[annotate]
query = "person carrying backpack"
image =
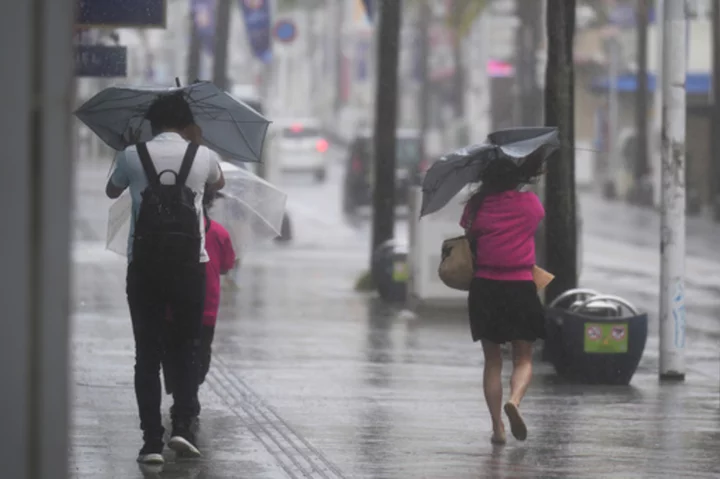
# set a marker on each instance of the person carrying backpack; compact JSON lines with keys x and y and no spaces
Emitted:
{"x":167,"y":178}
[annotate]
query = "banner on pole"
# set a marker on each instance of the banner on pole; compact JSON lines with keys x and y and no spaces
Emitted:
{"x":258,"y":25}
{"x":204,"y":13}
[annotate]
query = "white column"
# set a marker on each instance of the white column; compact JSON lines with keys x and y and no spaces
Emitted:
{"x":672,"y":225}
{"x":35,"y":187}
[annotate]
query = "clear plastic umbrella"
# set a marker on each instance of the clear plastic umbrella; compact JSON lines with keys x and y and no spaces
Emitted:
{"x":250,"y":208}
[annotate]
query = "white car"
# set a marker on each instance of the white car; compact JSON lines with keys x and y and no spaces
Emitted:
{"x":299,"y":146}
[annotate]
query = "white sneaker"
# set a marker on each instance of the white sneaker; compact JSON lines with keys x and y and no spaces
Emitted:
{"x":151,"y":453}
{"x":152,"y":458}
{"x":183,"y":447}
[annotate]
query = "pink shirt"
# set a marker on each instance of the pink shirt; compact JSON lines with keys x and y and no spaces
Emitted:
{"x":222,"y":257}
{"x":505,"y":229}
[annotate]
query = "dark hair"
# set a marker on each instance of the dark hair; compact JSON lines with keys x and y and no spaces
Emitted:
{"x":499,"y":176}
{"x":169,"y":112}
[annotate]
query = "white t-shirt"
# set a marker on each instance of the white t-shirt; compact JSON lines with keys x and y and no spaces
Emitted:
{"x":166,"y":151}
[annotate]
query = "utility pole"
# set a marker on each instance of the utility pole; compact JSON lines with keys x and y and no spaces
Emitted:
{"x":528,"y":97}
{"x":222,"y":34}
{"x":560,"y":226}
{"x":423,"y":32}
{"x":193,"y":59}
{"x":613,"y":154}
{"x":458,"y":9}
{"x":527,"y":37}
{"x":715,"y":135}
{"x":641,"y":192}
{"x":656,"y":142}
{"x":672,"y":210}
{"x":388,"y":40}
{"x":338,"y":23}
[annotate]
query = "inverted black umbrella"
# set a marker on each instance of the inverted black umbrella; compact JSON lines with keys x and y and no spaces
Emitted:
{"x":521,"y":146}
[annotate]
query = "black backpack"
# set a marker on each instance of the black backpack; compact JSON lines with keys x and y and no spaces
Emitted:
{"x":167,"y":228}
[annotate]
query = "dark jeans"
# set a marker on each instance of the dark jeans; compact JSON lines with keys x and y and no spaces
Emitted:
{"x":207,"y":333}
{"x":150,"y":293}
{"x":206,"y":338}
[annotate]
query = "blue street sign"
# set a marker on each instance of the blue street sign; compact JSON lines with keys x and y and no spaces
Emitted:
{"x":100,"y":61}
{"x":121,"y":13}
{"x":285,"y":31}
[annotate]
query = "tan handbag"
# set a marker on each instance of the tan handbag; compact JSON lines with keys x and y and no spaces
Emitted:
{"x":457,"y":263}
{"x":457,"y":266}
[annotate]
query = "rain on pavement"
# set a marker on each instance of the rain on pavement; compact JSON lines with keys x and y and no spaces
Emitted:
{"x":311,"y":379}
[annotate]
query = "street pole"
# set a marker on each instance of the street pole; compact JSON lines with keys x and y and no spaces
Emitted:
{"x":337,"y":37}
{"x":560,"y":225}
{"x":715,"y":135}
{"x":388,"y":40}
{"x":528,"y":97}
{"x":423,"y":31}
{"x":613,"y":163}
{"x":641,"y":192}
{"x":222,"y":34}
{"x":655,"y":150}
{"x":193,"y":61}
{"x":672,"y":210}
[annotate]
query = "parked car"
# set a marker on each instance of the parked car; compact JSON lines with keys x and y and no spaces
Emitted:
{"x":299,"y":145}
{"x":359,"y":171}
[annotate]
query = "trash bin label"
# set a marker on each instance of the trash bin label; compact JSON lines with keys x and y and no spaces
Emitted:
{"x":606,"y":338}
{"x":400,"y":271}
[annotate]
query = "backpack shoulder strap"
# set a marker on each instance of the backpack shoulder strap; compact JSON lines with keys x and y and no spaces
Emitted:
{"x":187,"y":163}
{"x":147,"y":164}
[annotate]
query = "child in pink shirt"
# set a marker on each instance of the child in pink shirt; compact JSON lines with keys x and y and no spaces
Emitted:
{"x":222,"y":259}
{"x":503,"y":303}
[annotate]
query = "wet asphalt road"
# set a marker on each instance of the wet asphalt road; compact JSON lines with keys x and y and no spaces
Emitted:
{"x":312,"y":380}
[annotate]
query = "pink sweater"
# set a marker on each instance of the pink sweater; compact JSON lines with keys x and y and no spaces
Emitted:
{"x":505,"y":229}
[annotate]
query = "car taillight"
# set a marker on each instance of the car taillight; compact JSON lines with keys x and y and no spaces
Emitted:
{"x":322,"y":145}
{"x":356,"y":165}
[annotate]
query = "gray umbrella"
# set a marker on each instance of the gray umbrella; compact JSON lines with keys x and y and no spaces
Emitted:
{"x":447,"y":176}
{"x":229,"y":127}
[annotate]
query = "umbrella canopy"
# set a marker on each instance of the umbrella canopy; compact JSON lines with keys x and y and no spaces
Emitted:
{"x":228,"y":126}
{"x":447,"y":176}
{"x":250,"y":209}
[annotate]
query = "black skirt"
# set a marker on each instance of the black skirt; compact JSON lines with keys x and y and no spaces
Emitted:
{"x":502,"y":311}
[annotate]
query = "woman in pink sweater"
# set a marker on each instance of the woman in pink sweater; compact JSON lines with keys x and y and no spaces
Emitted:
{"x":503,"y":303}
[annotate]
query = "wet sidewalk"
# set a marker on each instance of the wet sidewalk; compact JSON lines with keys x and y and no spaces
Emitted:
{"x":311,"y":380}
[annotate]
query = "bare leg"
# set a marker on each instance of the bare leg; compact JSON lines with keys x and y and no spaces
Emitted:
{"x":519,"y":382}
{"x":492,"y":386}
{"x":522,"y":370}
